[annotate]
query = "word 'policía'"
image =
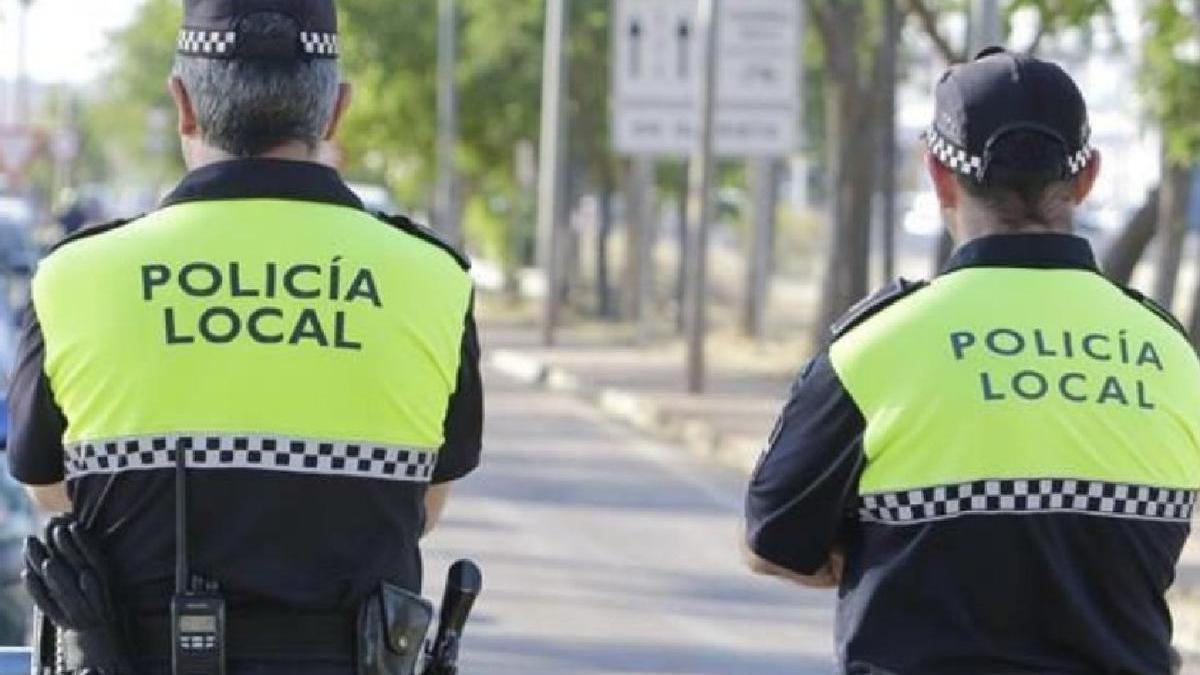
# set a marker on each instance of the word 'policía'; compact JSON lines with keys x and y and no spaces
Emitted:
{"x":1106,"y":350}
{"x":282,"y":322}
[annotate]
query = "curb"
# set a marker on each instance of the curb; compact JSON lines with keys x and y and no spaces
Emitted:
{"x":695,"y":435}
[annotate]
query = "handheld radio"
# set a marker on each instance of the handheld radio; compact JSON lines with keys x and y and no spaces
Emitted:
{"x":197,"y":611}
{"x":463,"y":584}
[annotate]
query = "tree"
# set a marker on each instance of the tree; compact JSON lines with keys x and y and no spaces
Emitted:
{"x":850,"y":32}
{"x":1171,"y":90}
{"x":134,"y":116}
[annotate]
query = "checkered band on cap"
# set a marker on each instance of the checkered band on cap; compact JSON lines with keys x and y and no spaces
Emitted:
{"x":958,"y":159}
{"x":207,"y":42}
{"x":251,"y":451}
{"x":1078,"y":161}
{"x":1028,"y":496}
{"x":953,"y":157}
{"x":319,"y":44}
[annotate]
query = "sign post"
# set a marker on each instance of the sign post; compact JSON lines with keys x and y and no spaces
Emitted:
{"x":700,"y":79}
{"x":700,"y":199}
{"x":550,"y":164}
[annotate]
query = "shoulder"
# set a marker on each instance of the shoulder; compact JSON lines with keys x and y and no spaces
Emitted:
{"x":91,"y":231}
{"x":874,"y":304}
{"x":427,"y":235}
{"x":1155,"y":308}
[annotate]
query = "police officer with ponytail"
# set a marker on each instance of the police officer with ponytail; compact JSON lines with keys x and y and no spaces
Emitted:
{"x":250,"y":403}
{"x":996,"y":468}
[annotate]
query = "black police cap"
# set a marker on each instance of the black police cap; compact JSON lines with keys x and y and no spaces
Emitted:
{"x":213,"y":29}
{"x":1000,"y":92}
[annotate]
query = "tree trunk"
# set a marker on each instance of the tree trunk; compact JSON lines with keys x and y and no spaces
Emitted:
{"x":852,"y":119}
{"x":681,"y":268}
{"x":941,"y":252}
{"x":1176,"y":189}
{"x":639,"y":200}
{"x":605,"y":307}
{"x":846,"y":273}
{"x":1130,"y":245}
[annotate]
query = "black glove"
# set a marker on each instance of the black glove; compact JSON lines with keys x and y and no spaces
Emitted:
{"x":67,"y":578}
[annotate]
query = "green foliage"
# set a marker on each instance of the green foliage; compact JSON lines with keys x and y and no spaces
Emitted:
{"x":389,"y":55}
{"x":1171,"y":76}
{"x":135,"y":115}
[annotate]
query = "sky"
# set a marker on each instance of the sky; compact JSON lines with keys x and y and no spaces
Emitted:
{"x":66,"y":37}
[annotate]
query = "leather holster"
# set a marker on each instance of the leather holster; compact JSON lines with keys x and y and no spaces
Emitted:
{"x":392,"y":624}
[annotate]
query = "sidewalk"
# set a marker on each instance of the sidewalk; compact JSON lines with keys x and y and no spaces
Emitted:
{"x":642,"y":385}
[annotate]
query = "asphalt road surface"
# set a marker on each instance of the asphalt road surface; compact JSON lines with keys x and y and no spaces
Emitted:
{"x":604,"y":553}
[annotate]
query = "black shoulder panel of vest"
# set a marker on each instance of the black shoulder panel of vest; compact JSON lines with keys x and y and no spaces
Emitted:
{"x":91,"y":230}
{"x":422,"y":232}
{"x":875,"y":303}
{"x":1150,"y":304}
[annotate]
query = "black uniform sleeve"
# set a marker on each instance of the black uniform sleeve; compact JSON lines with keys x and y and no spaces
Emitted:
{"x":459,"y":455}
{"x":805,"y":485}
{"x":35,"y":422}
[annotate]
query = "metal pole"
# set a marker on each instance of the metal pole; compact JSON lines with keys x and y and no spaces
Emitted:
{"x":446,"y":212}
{"x":700,"y":201}
{"x":550,"y":163}
{"x":888,"y":156}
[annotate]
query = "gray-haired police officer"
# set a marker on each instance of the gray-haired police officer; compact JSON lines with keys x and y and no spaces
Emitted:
{"x":312,"y":367}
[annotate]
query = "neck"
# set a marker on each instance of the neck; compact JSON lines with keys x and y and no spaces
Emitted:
{"x":972,"y":221}
{"x":201,"y":154}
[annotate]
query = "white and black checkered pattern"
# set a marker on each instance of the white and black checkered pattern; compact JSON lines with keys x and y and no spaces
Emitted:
{"x":953,"y":157}
{"x":1078,"y":161}
{"x":957,"y":159}
{"x":207,"y":42}
{"x":1028,"y":496}
{"x":319,"y":44}
{"x":250,"y":451}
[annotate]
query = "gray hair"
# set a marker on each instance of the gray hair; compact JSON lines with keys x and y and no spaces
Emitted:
{"x":248,"y":107}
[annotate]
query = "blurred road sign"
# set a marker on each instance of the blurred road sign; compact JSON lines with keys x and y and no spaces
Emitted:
{"x":657,"y":58}
{"x":18,"y":147}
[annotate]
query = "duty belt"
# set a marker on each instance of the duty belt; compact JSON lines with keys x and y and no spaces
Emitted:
{"x":251,"y":635}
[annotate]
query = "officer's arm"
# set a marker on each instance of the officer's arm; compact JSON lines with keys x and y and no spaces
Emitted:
{"x":829,"y":576}
{"x":463,"y":427}
{"x":435,"y":504}
{"x":35,"y":422}
{"x":50,"y":498}
{"x":805,"y":485}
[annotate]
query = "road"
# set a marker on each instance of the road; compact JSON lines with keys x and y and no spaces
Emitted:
{"x":606,"y":553}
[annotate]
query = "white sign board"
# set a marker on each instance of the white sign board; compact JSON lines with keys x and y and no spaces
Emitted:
{"x":657,"y":61}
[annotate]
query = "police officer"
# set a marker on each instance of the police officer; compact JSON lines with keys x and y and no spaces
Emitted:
{"x":996,"y":468}
{"x":315,"y":364}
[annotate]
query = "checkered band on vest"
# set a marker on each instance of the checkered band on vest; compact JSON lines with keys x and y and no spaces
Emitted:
{"x":249,"y":451}
{"x":207,"y":42}
{"x":1028,"y":496}
{"x":319,"y":44}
